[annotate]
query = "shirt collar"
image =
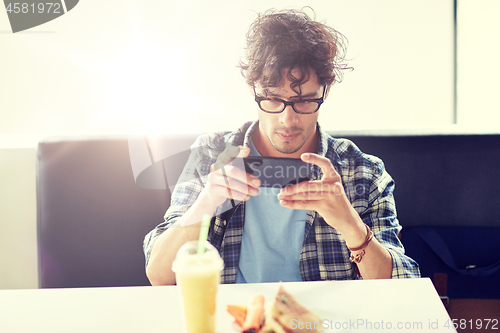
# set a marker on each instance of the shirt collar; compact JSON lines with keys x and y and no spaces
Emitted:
{"x":249,"y":132}
{"x":323,"y":141}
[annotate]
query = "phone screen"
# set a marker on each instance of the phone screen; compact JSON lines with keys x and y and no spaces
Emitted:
{"x":277,"y":171}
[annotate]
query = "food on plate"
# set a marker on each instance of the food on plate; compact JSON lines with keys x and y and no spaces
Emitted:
{"x":288,"y":315}
{"x":239,"y":312}
{"x":253,"y":319}
{"x":284,"y":315}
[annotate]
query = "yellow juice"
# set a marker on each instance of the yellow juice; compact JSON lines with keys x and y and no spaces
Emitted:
{"x":199,"y":294}
{"x":198,"y":279}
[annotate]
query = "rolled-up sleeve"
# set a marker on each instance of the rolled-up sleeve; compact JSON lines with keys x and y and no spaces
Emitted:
{"x":381,"y":217}
{"x":186,"y":191}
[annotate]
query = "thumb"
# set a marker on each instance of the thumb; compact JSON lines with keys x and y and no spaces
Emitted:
{"x":244,"y":152}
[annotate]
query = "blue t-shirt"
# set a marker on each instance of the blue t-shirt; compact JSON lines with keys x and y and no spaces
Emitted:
{"x":272,"y":238}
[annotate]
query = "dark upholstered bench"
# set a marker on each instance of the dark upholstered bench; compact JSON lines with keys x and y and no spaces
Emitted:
{"x":98,"y":197}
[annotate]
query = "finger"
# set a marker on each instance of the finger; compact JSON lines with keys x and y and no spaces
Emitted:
{"x":311,"y":190}
{"x":324,"y":163}
{"x":236,"y":170}
{"x":303,"y":204}
{"x":300,"y":187}
{"x":243,"y":187}
{"x":238,"y":173}
{"x":221,"y":179}
{"x":229,"y":154}
{"x":314,"y":196}
{"x":228,"y":159}
{"x":244,"y":152}
{"x":223,"y":191}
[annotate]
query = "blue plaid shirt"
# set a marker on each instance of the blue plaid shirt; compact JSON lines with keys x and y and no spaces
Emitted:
{"x":324,"y":254}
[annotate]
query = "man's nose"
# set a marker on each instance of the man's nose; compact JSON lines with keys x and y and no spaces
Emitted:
{"x":289,"y":116}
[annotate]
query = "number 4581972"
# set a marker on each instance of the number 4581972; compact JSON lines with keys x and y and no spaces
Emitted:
{"x":48,"y":7}
{"x":477,"y":324}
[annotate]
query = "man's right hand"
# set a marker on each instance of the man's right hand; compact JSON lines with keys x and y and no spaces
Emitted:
{"x":229,"y":181}
{"x":225,"y":181}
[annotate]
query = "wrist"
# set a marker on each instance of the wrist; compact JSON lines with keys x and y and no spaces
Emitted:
{"x":354,"y":233}
{"x":207,"y":202}
{"x":202,"y":206}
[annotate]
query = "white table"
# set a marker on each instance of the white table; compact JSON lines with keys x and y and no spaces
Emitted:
{"x":348,"y":306}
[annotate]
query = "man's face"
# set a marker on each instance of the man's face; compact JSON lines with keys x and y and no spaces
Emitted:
{"x":288,"y":132}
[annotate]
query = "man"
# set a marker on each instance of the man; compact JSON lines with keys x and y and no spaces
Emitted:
{"x":340,"y":225}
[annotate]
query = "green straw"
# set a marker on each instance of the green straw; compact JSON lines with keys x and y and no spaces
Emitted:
{"x":205,"y":223}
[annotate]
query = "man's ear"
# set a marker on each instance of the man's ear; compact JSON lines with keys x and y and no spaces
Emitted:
{"x":327,"y":90}
{"x":251,"y":89}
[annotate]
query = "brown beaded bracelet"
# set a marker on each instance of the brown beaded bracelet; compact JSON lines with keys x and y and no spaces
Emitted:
{"x":357,"y":258}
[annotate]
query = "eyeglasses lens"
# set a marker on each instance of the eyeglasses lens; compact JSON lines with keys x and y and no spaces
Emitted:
{"x":277,"y":106}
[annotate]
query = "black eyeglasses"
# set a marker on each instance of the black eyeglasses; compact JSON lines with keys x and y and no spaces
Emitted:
{"x":277,"y":105}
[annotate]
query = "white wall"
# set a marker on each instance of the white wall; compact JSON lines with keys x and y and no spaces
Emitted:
{"x":18,"y":253}
{"x":122,"y":66}
{"x":478,"y":63}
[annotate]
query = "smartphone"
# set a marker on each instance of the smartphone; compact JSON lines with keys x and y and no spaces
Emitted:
{"x":277,"y":171}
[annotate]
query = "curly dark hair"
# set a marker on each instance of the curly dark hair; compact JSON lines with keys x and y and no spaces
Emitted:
{"x":290,"y":39}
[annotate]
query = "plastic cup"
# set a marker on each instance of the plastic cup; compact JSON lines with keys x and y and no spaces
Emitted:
{"x":198,"y":276}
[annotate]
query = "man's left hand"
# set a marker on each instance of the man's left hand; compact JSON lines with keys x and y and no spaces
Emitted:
{"x":326,"y":196}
